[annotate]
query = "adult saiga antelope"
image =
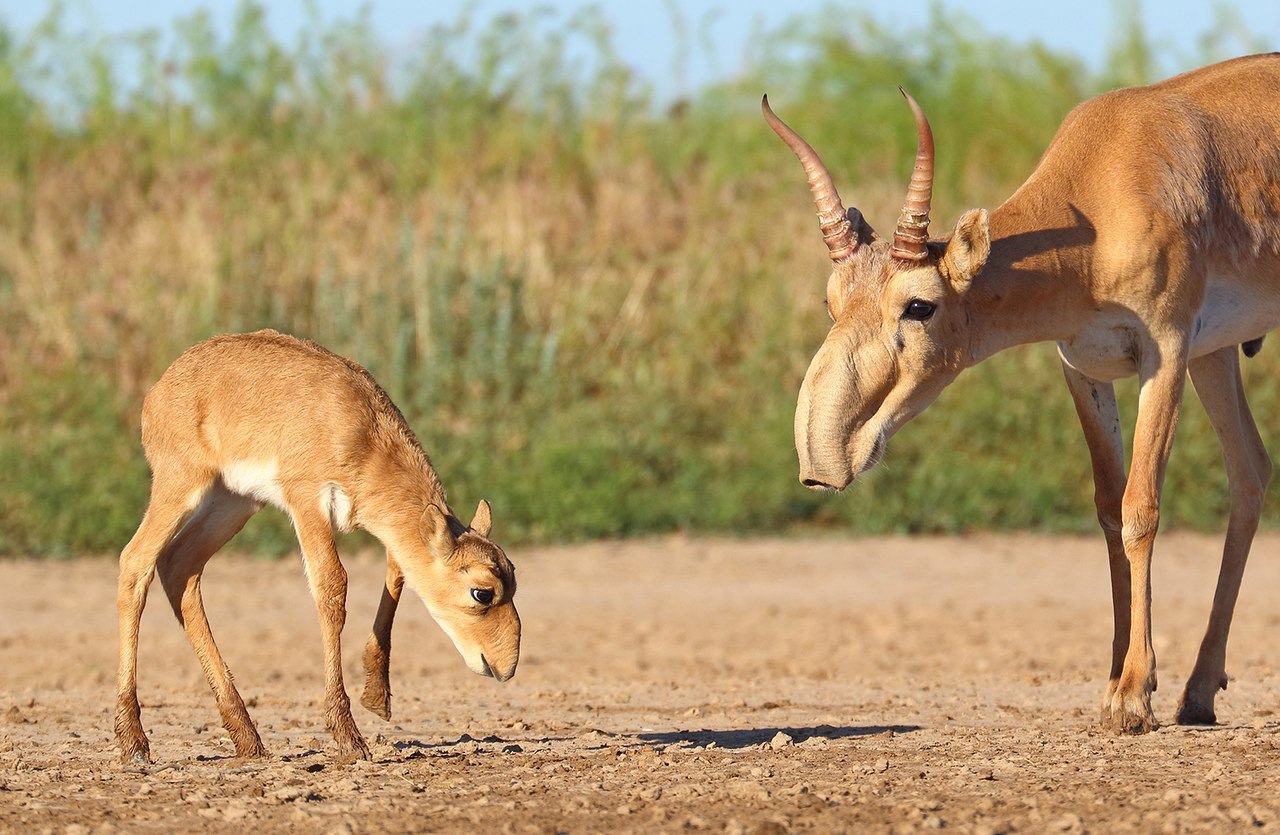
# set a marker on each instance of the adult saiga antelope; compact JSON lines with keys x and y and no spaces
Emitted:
{"x":245,"y":420}
{"x":1147,"y":242}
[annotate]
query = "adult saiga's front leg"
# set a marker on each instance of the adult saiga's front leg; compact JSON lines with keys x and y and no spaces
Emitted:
{"x":1162,"y":370}
{"x":1095,"y":404}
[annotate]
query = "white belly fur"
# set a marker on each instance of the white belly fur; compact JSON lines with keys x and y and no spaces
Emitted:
{"x":254,"y":479}
{"x":1232,"y":314}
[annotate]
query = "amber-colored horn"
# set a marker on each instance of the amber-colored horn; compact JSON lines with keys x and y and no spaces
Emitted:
{"x":912,"y":234}
{"x":837,"y":231}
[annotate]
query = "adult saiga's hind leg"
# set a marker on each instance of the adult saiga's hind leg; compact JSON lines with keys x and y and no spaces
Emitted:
{"x":1216,"y":378}
{"x":220,"y":517}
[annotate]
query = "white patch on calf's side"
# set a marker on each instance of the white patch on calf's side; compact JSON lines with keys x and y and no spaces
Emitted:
{"x":254,"y":479}
{"x":336,"y":505}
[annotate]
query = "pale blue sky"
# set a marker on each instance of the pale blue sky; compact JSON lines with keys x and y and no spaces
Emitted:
{"x":644,"y":28}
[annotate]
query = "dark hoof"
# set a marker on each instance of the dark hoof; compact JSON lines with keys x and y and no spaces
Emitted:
{"x":1191,"y":713}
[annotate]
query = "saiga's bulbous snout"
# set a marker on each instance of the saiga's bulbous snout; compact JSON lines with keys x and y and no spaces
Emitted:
{"x":500,"y":652}
{"x":822,"y":431}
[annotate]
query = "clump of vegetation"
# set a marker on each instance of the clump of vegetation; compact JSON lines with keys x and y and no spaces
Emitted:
{"x":594,"y":308}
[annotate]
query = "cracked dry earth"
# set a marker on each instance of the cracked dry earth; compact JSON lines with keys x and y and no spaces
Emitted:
{"x":722,"y":685}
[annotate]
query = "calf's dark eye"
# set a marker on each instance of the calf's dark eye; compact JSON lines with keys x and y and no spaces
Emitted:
{"x":919,"y":310}
{"x":482,"y":596}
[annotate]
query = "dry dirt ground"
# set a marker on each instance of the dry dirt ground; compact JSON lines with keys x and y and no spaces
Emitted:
{"x":721,"y":685}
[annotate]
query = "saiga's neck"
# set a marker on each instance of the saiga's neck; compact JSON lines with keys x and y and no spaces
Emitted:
{"x":1034,"y":287}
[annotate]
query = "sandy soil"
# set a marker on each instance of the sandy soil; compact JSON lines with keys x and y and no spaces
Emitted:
{"x":738,"y":686}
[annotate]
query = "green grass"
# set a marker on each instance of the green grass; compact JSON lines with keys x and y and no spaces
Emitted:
{"x":594,"y":308}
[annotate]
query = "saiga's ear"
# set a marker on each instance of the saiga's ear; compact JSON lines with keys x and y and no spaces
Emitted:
{"x":482,"y":522}
{"x":861,"y":229}
{"x":434,"y":526}
{"x":968,"y":249}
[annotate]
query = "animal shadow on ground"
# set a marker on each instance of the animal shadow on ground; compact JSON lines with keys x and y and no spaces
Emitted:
{"x":754,"y":737}
{"x":412,"y":749}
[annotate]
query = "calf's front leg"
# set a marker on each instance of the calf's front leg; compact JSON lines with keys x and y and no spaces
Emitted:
{"x":328,"y":581}
{"x":377,"y":651}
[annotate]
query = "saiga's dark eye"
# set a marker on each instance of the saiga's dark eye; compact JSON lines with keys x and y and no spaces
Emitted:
{"x":919,"y":310}
{"x":482,"y":596}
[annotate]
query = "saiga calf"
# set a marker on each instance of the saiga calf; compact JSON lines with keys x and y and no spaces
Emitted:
{"x":245,"y":420}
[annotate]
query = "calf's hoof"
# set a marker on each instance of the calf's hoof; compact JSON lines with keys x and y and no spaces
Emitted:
{"x":351,"y":745}
{"x":352,"y":750}
{"x":134,"y":748}
{"x":244,"y":736}
{"x":377,"y":700}
{"x":133,"y":756}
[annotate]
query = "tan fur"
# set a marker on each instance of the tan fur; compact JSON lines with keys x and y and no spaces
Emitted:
{"x":242,"y":420}
{"x":1147,"y":242}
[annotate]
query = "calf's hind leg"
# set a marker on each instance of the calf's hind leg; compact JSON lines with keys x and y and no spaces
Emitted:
{"x":1216,"y":378}
{"x":221,"y":516}
{"x":175,"y":494}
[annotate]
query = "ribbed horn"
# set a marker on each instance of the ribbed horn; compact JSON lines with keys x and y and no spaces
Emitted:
{"x":837,"y":231}
{"x":912,"y":234}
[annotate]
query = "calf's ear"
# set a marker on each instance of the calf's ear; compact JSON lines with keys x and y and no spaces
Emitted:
{"x":482,"y":522}
{"x":434,"y":526}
